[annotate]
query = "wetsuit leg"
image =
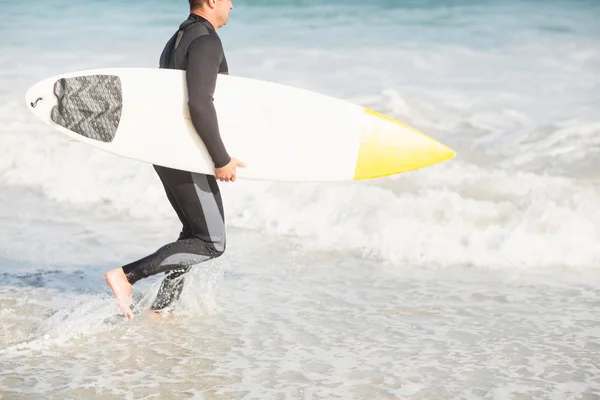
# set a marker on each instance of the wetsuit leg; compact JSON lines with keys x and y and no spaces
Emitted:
{"x":186,"y":231}
{"x":197,"y":201}
{"x":172,"y":286}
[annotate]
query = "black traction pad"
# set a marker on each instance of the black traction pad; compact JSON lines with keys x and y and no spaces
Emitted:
{"x":89,"y":105}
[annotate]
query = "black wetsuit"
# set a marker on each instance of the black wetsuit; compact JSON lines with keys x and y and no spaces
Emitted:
{"x":197,"y":49}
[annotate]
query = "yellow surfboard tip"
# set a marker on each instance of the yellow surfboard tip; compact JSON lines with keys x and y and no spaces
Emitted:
{"x":389,"y":147}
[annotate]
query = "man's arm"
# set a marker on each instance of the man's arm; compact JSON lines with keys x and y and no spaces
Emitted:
{"x":204,"y":58}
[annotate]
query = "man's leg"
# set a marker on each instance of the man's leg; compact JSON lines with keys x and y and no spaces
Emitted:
{"x":198,"y":199}
{"x":186,"y":231}
{"x":171,"y":287}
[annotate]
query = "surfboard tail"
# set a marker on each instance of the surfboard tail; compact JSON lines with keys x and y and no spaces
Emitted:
{"x":389,"y":147}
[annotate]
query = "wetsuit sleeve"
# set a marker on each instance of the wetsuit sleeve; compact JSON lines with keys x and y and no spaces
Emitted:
{"x":204,"y":58}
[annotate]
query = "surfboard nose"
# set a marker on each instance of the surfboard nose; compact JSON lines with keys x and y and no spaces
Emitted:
{"x":388,"y":147}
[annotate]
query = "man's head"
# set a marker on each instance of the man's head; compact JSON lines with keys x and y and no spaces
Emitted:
{"x":215,"y":11}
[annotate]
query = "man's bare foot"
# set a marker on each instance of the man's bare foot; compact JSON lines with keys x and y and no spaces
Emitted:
{"x":121,"y":288}
{"x":158,"y":316}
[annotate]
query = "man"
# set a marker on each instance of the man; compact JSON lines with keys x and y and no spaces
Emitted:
{"x":197,"y":49}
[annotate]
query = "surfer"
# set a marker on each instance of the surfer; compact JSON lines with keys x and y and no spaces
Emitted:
{"x":197,"y":49}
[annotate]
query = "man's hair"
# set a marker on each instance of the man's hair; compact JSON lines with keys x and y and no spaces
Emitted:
{"x":197,"y":3}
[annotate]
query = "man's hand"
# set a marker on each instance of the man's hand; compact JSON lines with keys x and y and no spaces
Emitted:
{"x":228,"y":172}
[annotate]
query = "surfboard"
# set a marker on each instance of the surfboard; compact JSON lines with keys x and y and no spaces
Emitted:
{"x":282,"y":133}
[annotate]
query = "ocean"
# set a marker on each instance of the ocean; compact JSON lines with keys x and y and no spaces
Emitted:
{"x":476,"y":278}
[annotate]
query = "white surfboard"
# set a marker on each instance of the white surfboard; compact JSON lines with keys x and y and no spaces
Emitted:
{"x":282,"y":133}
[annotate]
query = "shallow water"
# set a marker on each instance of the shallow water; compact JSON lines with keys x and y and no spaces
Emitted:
{"x":271,"y":320}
